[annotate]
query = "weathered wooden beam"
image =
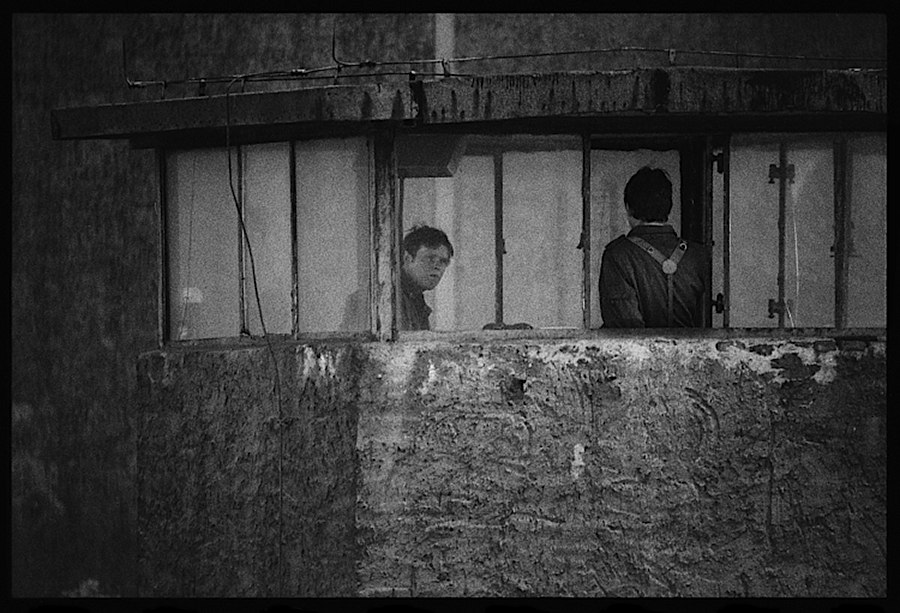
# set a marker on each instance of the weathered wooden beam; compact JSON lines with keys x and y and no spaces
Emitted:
{"x":658,"y":93}
{"x":362,"y":103}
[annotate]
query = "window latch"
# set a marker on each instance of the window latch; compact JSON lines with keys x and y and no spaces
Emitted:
{"x":778,"y":172}
{"x":719,"y":303}
{"x":775,"y":306}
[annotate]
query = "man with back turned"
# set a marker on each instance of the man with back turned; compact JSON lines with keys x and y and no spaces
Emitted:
{"x":651,"y":278}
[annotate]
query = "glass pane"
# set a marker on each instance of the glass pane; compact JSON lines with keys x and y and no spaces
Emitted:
{"x":202,"y":237}
{"x":717,"y":282}
{"x":809,"y":231}
{"x":332,"y":235}
{"x":267,"y":217}
{"x":754,"y":231}
{"x":542,"y":267}
{"x":867,"y":285}
{"x":610,"y":171}
{"x":809,"y":234}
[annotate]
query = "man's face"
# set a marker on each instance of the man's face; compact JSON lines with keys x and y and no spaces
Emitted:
{"x":428,"y":265}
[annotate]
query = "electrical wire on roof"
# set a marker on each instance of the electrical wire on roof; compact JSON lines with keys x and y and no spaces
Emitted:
{"x":340,"y":68}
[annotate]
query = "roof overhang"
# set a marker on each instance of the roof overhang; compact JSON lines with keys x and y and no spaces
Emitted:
{"x":664,"y":94}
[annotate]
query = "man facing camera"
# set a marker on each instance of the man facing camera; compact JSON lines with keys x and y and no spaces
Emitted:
{"x":426,"y":255}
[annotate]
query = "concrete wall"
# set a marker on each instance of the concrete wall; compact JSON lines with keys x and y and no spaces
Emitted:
{"x":610,"y":466}
{"x":85,"y":243}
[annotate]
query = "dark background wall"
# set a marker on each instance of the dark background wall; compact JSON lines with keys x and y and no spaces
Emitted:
{"x":84,"y":219}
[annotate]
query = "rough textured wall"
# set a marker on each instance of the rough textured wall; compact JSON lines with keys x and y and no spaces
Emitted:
{"x":602,"y":467}
{"x":240,"y":495}
{"x":84,"y":251}
{"x":624,"y":468}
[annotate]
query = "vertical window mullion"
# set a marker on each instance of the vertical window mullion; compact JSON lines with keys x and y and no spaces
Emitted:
{"x":242,"y":272}
{"x":586,"y":229}
{"x":841,"y":228}
{"x":164,"y":317}
{"x":499,"y":241}
{"x":295,"y":296}
{"x":782,"y":215}
{"x":726,"y":233}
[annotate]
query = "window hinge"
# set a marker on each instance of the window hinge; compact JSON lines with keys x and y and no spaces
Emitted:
{"x":719,"y":160}
{"x":777,"y":172}
{"x":775,"y":307}
{"x":719,"y":303}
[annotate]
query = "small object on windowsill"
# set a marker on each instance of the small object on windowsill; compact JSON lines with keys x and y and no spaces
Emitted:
{"x":502,"y":326}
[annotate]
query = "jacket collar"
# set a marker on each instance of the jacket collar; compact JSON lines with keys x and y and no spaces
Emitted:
{"x":645,"y":230}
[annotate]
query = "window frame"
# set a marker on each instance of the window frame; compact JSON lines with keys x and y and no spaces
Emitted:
{"x":715,"y":159}
{"x":385,"y":234}
{"x":245,"y":293}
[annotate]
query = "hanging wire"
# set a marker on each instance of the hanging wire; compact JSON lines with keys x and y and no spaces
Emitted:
{"x":265,"y":334}
{"x":183,"y":327}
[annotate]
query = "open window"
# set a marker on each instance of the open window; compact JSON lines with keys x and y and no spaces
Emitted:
{"x":511,"y":206}
{"x":529,"y":216}
{"x":795,"y":223}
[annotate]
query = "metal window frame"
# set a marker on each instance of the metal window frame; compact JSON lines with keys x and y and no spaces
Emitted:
{"x":385,"y":192}
{"x":377,"y":202}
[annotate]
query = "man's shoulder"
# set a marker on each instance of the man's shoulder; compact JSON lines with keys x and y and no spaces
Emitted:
{"x":617,"y":244}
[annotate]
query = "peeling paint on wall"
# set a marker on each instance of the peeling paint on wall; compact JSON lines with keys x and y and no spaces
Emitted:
{"x":594,"y":467}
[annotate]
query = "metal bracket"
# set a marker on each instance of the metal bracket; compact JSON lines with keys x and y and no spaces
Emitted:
{"x":776,"y":172}
{"x":775,"y":307}
{"x":719,"y":303}
{"x":719,"y":160}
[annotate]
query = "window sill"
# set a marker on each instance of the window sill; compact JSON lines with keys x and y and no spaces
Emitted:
{"x":863,"y":334}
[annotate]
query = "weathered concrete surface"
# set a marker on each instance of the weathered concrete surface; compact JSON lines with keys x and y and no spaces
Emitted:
{"x":625,"y":468}
{"x":660,"y":90}
{"x":596,"y":467}
{"x":240,"y":495}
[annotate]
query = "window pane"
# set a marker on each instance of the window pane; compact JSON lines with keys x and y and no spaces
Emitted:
{"x":203,"y":245}
{"x":809,"y":234}
{"x":809,"y":231}
{"x":610,"y":171}
{"x":542,"y":268}
{"x":267,"y":217}
{"x":867,"y":286}
{"x":332,"y":235}
{"x":754,"y":231}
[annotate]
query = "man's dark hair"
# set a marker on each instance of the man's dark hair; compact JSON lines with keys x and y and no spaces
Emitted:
{"x":427,"y":236}
{"x":648,"y":194}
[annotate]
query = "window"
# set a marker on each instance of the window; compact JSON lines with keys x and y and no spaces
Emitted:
{"x":308,"y":273}
{"x":785,"y":257}
{"x":797,"y":225}
{"x":514,"y":208}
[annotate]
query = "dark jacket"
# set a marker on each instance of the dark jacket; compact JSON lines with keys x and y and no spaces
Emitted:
{"x":633,"y":286}
{"x":414,"y":312}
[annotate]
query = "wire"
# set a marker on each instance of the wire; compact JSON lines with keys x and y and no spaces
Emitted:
{"x":796,"y":261}
{"x":183,"y":328}
{"x":262,"y":324}
{"x":339,"y":65}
